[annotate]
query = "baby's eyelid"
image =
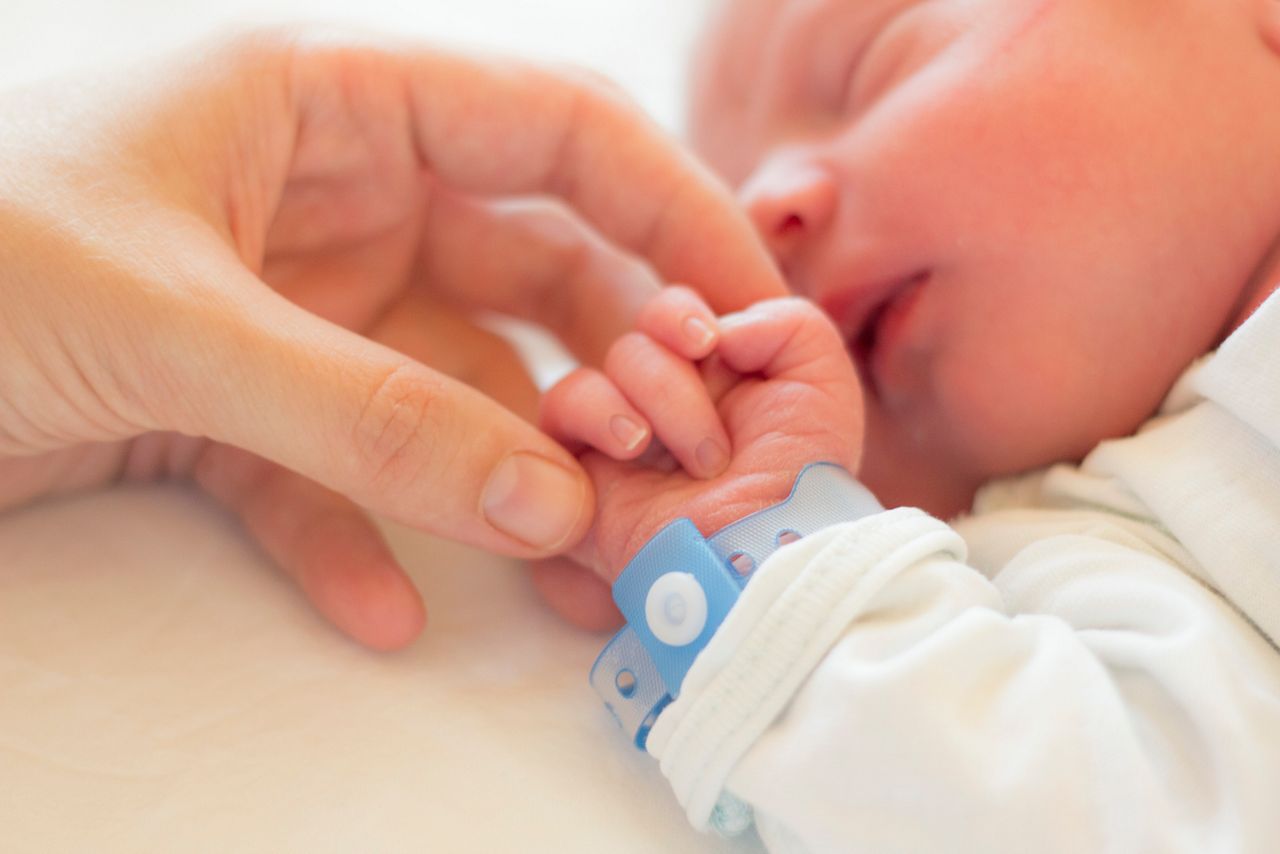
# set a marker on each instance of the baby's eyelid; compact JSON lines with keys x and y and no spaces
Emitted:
{"x":876,"y":62}
{"x":839,"y":92}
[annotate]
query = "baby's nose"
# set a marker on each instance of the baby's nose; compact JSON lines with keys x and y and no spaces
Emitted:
{"x":791,"y":203}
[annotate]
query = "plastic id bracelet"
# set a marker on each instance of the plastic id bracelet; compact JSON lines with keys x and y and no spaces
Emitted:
{"x":680,"y":586}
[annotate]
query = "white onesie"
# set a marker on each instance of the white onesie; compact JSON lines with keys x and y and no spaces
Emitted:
{"x":1085,"y":664}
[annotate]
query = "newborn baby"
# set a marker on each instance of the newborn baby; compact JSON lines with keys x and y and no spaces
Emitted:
{"x":1027,"y":220}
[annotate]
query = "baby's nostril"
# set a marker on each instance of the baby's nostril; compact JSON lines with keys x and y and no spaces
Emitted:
{"x":791,"y":224}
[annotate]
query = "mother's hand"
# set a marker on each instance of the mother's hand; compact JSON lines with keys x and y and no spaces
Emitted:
{"x":225,"y":268}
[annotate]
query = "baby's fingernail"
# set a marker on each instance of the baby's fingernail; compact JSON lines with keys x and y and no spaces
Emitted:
{"x":698,"y":331}
{"x":712,"y":457}
{"x":626,"y":431}
{"x":534,"y":500}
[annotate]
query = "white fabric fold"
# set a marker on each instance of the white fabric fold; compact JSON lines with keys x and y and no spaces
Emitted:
{"x":799,"y":603}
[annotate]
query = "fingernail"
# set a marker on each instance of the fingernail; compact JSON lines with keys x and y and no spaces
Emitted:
{"x":712,"y":457}
{"x":698,"y":331}
{"x":533,"y":500}
{"x":626,"y":431}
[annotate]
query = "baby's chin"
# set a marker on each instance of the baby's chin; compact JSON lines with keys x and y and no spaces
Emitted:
{"x":903,"y":485}
{"x":904,"y":474}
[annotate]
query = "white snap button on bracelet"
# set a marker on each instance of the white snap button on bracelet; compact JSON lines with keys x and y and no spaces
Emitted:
{"x":676,"y":609}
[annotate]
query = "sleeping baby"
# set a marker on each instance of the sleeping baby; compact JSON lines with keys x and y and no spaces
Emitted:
{"x":1033,"y":243}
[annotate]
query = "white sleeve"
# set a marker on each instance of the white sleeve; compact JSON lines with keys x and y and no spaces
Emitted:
{"x":871,"y":692}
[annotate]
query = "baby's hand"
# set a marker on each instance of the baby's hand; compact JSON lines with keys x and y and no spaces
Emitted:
{"x":740,"y":406}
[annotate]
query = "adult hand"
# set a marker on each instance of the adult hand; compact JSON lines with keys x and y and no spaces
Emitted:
{"x":225,"y":267}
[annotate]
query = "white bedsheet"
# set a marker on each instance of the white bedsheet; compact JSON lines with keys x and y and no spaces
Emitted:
{"x":162,"y":688}
{"x":165,"y":689}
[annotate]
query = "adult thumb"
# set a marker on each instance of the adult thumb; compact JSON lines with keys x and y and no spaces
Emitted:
{"x":366,"y":421}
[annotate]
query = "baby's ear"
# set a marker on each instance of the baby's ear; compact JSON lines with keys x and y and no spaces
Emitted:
{"x":1267,"y":14}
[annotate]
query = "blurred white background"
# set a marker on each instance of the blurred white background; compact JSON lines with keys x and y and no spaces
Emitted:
{"x":643,"y":44}
{"x":164,"y":689}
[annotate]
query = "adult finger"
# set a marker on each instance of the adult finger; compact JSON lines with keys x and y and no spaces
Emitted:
{"x":576,"y":593}
{"x":323,"y":542}
{"x":532,"y":258}
{"x":260,"y":373}
{"x":447,"y":341}
{"x":508,"y":128}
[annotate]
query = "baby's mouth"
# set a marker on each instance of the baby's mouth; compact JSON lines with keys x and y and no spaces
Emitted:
{"x":871,"y":321}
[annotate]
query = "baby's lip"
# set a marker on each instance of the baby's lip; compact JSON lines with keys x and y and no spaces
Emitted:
{"x":858,"y":310}
{"x":855,"y":309}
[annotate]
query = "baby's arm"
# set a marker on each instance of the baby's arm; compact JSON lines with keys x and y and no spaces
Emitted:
{"x":871,"y":691}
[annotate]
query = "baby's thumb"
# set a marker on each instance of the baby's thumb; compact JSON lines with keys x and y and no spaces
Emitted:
{"x":792,"y":344}
{"x":372,"y":424}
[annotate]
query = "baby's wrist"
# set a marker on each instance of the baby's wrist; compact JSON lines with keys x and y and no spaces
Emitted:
{"x":726,"y":500}
{"x":680,"y":586}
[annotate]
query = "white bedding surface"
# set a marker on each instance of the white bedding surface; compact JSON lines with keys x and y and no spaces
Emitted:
{"x":642,"y":45}
{"x":162,"y":688}
{"x":166,"y":689}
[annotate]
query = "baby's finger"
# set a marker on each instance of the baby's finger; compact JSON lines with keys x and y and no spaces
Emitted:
{"x":679,"y":319}
{"x":586,"y":408}
{"x":718,"y":377}
{"x":670,"y":393}
{"x":787,"y":338}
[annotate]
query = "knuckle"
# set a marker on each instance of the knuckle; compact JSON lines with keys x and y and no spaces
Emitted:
{"x":629,"y":353}
{"x":568,"y":251}
{"x":254,"y":49}
{"x":670,"y":300}
{"x":590,"y":101}
{"x":570,"y":400}
{"x":805,"y":308}
{"x":821,"y":325}
{"x":651,"y":315}
{"x":578,"y":382}
{"x":548,"y":222}
{"x":802,"y":314}
{"x":564,"y":255}
{"x":314,"y":60}
{"x":600,"y":90}
{"x":561,"y":397}
{"x":680,"y":295}
{"x":399,"y":426}
{"x":791,"y":306}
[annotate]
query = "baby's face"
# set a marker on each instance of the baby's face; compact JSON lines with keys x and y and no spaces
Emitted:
{"x":1027,"y":216}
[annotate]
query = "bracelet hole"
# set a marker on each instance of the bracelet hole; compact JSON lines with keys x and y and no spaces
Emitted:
{"x":787,"y":537}
{"x":742,"y":562}
{"x":625,"y":682}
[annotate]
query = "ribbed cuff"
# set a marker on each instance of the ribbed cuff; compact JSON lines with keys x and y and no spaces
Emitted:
{"x":796,"y":607}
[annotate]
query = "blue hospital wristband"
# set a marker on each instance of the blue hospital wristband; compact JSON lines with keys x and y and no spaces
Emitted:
{"x":680,"y":586}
